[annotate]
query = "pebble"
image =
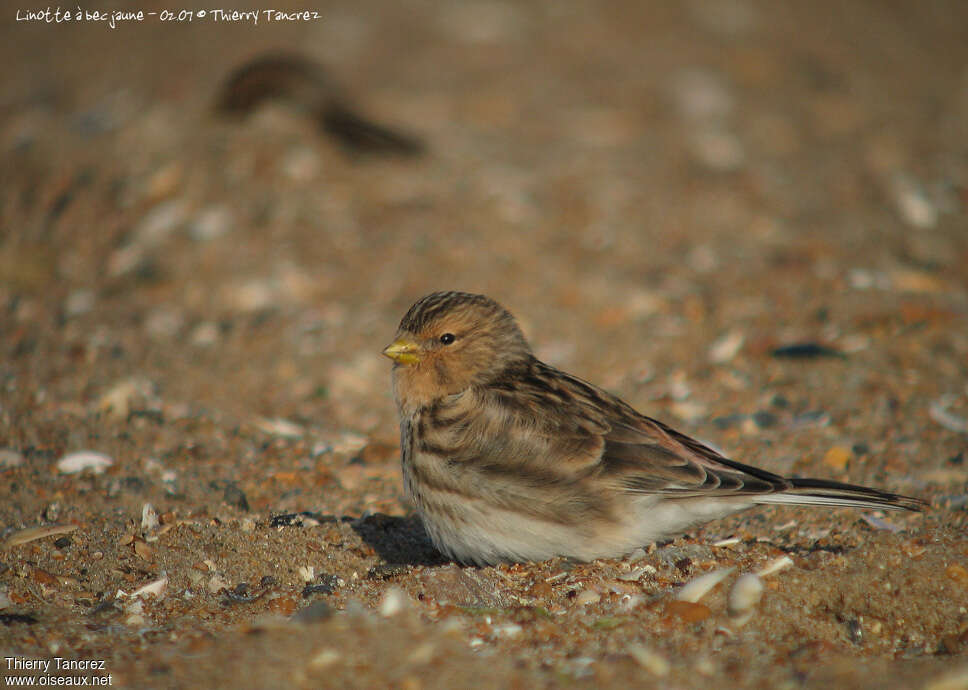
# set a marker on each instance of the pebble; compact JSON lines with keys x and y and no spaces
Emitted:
{"x":729,"y":421}
{"x":743,"y":597}
{"x":696,"y":589}
{"x":764,"y":419}
{"x":650,"y":660}
{"x":326,"y":583}
{"x":633,"y":575}
{"x":204,"y":334}
{"x":812,"y":418}
{"x":392,"y":602}
{"x":718,"y":149}
{"x":671,"y":555}
{"x":301,"y":164}
{"x":805,"y":350}
{"x":423,"y":654}
{"x":837,"y":458}
{"x":234,"y":496}
{"x":687,"y":611}
{"x":702,"y":96}
{"x":281,"y":428}
{"x":316,"y":612}
{"x":324,"y":658}
{"x":216,"y":584}
{"x":726,"y":347}
{"x":154,"y":228}
{"x":915,"y":206}
{"x":210,"y":223}
{"x":587,"y":597}
{"x":164,"y":322}
{"x":78,"y":302}
{"x":958,"y":573}
{"x":863,"y":279}
{"x":10,"y":458}
{"x":143,"y":550}
{"x":79,"y":461}
{"x":938,"y":411}
{"x":159,"y":222}
{"x":509,"y":630}
{"x":125,"y":395}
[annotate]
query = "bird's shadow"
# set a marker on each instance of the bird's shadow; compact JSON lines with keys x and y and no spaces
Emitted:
{"x":398,"y":540}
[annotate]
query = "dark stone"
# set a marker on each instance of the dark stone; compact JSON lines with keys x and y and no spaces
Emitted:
{"x":806,"y":350}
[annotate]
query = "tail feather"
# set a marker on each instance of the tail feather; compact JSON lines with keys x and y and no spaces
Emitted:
{"x":822,"y":492}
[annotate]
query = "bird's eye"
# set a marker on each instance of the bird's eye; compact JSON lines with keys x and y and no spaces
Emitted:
{"x":448,"y":338}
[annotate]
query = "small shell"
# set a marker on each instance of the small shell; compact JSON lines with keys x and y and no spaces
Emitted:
{"x":743,"y":597}
{"x":696,"y":589}
{"x":938,"y":411}
{"x":726,"y":347}
{"x":156,"y":588}
{"x":775,"y":565}
{"x":650,"y":660}
{"x":34,"y":533}
{"x":149,"y":518}
{"x":73,"y":463}
{"x":393,"y":602}
{"x":324,"y":658}
{"x":10,"y":458}
{"x":281,"y":428}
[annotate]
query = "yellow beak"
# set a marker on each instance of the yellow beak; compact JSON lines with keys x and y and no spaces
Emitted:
{"x":403,"y":351}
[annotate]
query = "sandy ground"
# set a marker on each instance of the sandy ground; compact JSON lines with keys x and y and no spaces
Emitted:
{"x":664,"y":193}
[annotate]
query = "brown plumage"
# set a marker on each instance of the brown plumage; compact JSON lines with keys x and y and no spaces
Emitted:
{"x":306,"y":86}
{"x":510,"y":459}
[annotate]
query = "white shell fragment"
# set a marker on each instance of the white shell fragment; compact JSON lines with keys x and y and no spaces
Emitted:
{"x":72,"y":463}
{"x":914,"y":204}
{"x":10,"y":458}
{"x":324,"y":658}
{"x":392,"y":603}
{"x":125,"y":395}
{"x":726,"y":347}
{"x":34,"y":533}
{"x":775,"y":566}
{"x":878,"y":523}
{"x":938,"y":411}
{"x":696,"y":589}
{"x":743,"y":597}
{"x":149,"y":518}
{"x":157,"y":589}
{"x":282,"y":428}
{"x":650,"y":660}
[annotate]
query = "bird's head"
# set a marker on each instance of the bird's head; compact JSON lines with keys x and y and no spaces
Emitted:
{"x":449,"y":341}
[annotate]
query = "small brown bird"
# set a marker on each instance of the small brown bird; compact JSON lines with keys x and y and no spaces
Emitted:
{"x":306,"y":86}
{"x":510,"y":459}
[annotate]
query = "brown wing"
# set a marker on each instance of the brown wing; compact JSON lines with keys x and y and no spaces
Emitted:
{"x":646,"y":456}
{"x":560,"y":431}
{"x":593,"y":433}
